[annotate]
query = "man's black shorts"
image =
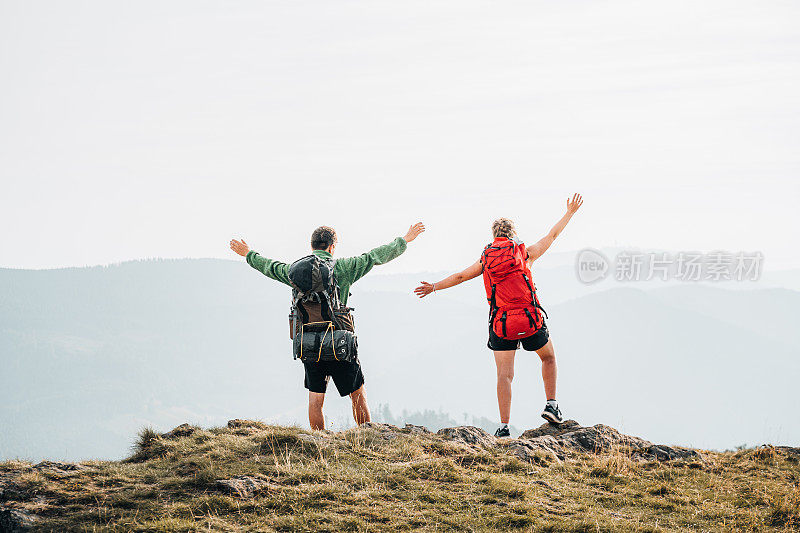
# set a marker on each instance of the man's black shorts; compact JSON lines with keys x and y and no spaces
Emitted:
{"x":530,"y":344}
{"x":347,"y":376}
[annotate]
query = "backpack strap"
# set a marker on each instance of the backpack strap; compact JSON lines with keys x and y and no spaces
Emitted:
{"x":327,"y":310}
{"x":534,"y":298}
{"x":294,"y":325}
{"x":325,"y":306}
{"x":320,"y":341}
{"x":530,"y":288}
{"x":503,"y":322}
{"x":541,"y":308}
{"x":498,"y":259}
{"x":299,"y":306}
{"x":530,"y":318}
{"x":492,"y":306}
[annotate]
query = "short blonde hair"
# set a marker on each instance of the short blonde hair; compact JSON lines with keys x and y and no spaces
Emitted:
{"x":503,"y":227}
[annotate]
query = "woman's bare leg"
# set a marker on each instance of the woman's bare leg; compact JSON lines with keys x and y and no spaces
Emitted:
{"x":549,"y":369}
{"x":505,"y":375}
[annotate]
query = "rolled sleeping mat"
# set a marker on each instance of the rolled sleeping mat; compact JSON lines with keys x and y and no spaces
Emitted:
{"x":326,"y":346}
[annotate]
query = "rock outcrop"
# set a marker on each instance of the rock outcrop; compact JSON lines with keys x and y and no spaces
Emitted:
{"x":570,"y":437}
{"x":556,"y":441}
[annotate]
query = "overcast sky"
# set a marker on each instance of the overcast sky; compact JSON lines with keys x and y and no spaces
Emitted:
{"x":162,"y":129}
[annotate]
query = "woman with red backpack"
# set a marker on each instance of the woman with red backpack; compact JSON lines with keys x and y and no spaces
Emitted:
{"x":515,"y":315}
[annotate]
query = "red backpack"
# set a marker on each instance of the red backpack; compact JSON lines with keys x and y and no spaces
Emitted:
{"x":514,"y":309}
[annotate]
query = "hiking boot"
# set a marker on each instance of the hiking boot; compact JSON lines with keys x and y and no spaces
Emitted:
{"x":552,"y":414}
{"x":502,"y":432}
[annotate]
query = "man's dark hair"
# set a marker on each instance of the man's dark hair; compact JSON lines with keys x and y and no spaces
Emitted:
{"x":322,"y":238}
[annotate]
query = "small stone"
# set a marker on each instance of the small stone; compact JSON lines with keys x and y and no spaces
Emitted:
{"x":668,"y":453}
{"x":379,"y":426}
{"x":527,"y":449}
{"x":305,"y":437}
{"x":16,"y":521}
{"x":385,"y":431}
{"x":60,"y":469}
{"x":238,"y":423}
{"x":417,"y":430}
{"x":789,"y":450}
{"x":184,"y":430}
{"x":244,"y":486}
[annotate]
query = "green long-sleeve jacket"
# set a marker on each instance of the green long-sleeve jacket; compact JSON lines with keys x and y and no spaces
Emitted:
{"x":347,"y":270}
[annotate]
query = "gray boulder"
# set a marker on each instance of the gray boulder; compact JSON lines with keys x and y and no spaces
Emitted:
{"x":469,"y":435}
{"x":551,"y":429}
{"x":530,"y":450}
{"x":385,"y":431}
{"x":417,"y":430}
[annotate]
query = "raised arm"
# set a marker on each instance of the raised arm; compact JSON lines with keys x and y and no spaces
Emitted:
{"x":536,"y":250}
{"x":269,"y":267}
{"x":358,"y":266}
{"x":467,"y":274}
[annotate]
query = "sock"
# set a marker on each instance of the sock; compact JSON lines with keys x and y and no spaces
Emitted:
{"x":503,"y":426}
{"x":553,"y":404}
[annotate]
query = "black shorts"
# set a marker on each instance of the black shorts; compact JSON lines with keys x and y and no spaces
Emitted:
{"x":530,"y":344}
{"x":347,"y":376}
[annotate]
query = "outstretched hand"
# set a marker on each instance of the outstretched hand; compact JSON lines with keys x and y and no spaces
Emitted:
{"x":423,"y":290}
{"x":240,"y":247}
{"x":414,"y":231}
{"x":574,"y":204}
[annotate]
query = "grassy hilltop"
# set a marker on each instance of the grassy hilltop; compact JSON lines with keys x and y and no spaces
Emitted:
{"x":250,"y":476}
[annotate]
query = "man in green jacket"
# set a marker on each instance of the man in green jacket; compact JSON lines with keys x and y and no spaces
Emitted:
{"x":347,"y":376}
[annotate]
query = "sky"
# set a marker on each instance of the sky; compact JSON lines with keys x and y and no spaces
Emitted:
{"x":145,"y":129}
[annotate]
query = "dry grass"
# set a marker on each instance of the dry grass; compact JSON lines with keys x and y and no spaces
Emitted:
{"x":363,"y":479}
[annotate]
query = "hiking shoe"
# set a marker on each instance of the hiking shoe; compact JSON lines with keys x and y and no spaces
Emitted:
{"x":552,"y":414}
{"x":502,"y":432}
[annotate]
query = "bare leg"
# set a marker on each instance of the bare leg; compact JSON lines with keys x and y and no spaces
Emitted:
{"x":360,"y":409}
{"x":505,"y":375}
{"x":549,"y":369}
{"x":315,"y":417}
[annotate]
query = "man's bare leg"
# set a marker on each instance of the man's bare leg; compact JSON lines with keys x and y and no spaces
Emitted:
{"x":315,"y":417}
{"x":360,"y":409}
{"x":505,"y":375}
{"x":549,"y":369}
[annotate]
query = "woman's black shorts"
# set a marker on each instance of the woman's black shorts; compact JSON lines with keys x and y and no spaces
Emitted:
{"x":530,"y":344}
